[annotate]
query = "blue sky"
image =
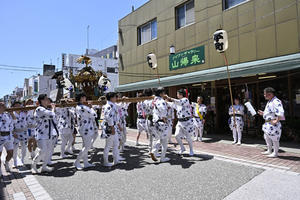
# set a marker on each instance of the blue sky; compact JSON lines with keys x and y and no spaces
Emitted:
{"x":36,"y":31}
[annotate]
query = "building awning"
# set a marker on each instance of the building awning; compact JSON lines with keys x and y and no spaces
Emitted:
{"x":276,"y":64}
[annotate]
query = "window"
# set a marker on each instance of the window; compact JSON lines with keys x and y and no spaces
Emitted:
{"x":111,"y":70}
{"x":230,"y":3}
{"x":36,"y":86}
{"x":147,"y":32}
{"x":185,"y":14}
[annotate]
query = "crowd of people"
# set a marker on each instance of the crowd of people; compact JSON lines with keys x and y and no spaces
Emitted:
{"x":37,"y":131}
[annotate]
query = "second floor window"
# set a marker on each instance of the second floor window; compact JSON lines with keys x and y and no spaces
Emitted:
{"x":185,"y":14}
{"x":147,"y":32}
{"x":230,"y":3}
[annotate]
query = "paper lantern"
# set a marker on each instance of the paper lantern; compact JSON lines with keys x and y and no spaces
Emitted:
{"x":221,"y":40}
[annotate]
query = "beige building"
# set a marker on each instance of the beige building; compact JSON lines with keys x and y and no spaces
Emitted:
{"x":264,"y":44}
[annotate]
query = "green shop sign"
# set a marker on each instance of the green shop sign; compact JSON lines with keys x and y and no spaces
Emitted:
{"x":187,"y":58}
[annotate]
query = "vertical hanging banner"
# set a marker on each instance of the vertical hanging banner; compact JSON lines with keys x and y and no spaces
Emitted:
{"x":187,"y":58}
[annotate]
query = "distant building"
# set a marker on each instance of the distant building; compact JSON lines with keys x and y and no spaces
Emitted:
{"x":36,"y":85}
{"x":109,"y":53}
{"x":107,"y":66}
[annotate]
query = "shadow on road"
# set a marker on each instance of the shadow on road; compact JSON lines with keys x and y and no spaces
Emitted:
{"x":289,"y":158}
{"x":136,"y":158}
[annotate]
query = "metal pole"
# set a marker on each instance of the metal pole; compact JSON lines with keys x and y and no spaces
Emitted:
{"x":230,"y":90}
{"x":158,"y":77}
{"x":88,"y":46}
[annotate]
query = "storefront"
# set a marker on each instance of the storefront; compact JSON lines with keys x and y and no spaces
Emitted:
{"x":248,"y":81}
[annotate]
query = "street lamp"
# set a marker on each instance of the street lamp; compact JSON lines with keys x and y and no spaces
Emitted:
{"x":172,"y":49}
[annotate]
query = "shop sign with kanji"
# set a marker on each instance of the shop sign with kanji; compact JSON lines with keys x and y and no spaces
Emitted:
{"x":187,"y":58}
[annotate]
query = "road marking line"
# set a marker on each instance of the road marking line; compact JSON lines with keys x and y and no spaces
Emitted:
{"x":19,"y":196}
{"x":35,"y":187}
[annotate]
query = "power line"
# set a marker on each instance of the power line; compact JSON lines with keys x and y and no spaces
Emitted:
{"x":21,"y":70}
{"x":23,"y":67}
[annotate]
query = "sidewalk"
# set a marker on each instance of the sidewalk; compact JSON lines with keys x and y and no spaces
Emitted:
{"x":245,"y":153}
{"x":20,"y":184}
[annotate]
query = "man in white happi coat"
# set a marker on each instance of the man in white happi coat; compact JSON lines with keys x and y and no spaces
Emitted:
{"x":160,"y":121}
{"x":272,"y":115}
{"x":6,"y":138}
{"x":111,"y":129}
{"x":66,"y":125}
{"x":20,"y":134}
{"x":236,"y":126}
{"x":86,"y":127}
{"x":185,"y":126}
{"x":141,"y":119}
{"x":45,"y":130}
{"x":199,"y":112}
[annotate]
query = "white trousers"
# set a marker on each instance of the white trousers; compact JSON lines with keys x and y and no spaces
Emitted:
{"x":86,"y":145}
{"x":66,"y":139}
{"x":111,"y":142}
{"x":44,"y":147}
{"x":237,"y":134}
{"x":23,"y":150}
{"x":199,"y":132}
{"x":123,"y":136}
{"x":185,"y":129}
{"x":152,"y":133}
{"x":272,"y":143}
{"x":95,"y":136}
{"x":53,"y":145}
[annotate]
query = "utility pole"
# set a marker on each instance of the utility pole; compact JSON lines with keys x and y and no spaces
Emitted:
{"x":87,"y":38}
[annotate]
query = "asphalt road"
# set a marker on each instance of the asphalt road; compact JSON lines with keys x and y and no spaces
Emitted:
{"x":198,"y":177}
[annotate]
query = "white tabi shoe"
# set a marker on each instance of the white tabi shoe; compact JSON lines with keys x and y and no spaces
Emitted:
{"x":121,"y":158}
{"x":166,"y":159}
{"x":107,"y":164}
{"x":137,"y":143}
{"x":233,"y":142}
{"x":47,"y":169}
{"x":239,"y":143}
{"x":117,"y":162}
{"x":273,"y":155}
{"x":181,"y":151}
{"x":157,"y":155}
{"x":15,"y":165}
{"x":191,"y":153}
{"x":78,"y":165}
{"x":87,"y":165}
{"x":33,"y":168}
{"x":50,"y":163}
{"x":6,"y":165}
{"x":266,"y":152}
